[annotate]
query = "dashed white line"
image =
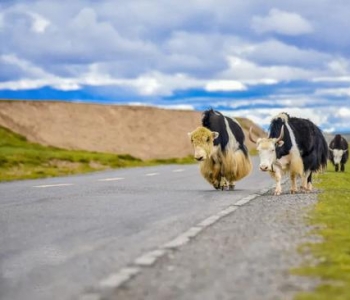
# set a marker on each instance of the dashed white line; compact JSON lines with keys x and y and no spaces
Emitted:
{"x":116,"y":279}
{"x":52,"y":185}
{"x":149,"y":258}
{"x":152,"y":174}
{"x":178,"y":170}
{"x":247,"y":199}
{"x":111,"y":179}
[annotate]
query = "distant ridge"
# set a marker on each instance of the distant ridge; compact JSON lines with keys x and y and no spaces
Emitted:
{"x":143,"y":132}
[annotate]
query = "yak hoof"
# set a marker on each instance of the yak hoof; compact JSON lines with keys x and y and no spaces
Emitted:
{"x":231,"y":187}
{"x":305,"y":190}
{"x":277,"y":193}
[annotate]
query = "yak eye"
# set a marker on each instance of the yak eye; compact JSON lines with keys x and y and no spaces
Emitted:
{"x":272,"y":150}
{"x":208,"y":139}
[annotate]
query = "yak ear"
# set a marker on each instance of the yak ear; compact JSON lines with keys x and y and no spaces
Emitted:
{"x":330,"y":149}
{"x":215,"y":135}
{"x":346,"y":150}
{"x":280,"y":143}
{"x":189,"y":134}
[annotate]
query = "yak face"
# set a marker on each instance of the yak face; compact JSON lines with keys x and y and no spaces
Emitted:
{"x":337,"y":155}
{"x":267,"y":152}
{"x":202,"y":140}
{"x":267,"y":148}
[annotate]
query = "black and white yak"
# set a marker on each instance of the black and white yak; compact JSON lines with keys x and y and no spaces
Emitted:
{"x":338,"y":152}
{"x":220,"y":148}
{"x":296,"y":145}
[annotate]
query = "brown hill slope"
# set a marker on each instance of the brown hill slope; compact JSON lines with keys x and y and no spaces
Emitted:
{"x":144,"y":132}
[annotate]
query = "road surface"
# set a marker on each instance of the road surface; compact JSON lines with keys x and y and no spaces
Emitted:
{"x":69,"y":237}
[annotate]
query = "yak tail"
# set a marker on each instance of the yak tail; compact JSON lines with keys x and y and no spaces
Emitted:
{"x":237,"y":165}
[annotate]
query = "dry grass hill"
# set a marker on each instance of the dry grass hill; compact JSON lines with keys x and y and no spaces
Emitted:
{"x":143,"y":132}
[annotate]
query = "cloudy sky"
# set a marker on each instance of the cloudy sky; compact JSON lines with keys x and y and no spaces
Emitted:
{"x":243,"y":57}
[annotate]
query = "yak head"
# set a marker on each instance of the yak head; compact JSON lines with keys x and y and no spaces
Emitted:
{"x":202,"y":140}
{"x":267,"y":149}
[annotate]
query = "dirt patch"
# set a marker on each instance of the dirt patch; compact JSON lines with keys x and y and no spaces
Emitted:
{"x":144,"y":132}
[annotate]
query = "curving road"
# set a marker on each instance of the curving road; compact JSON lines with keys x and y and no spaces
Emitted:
{"x":59,"y":237}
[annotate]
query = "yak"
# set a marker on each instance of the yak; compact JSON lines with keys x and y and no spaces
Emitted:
{"x":219,"y":146}
{"x":296,"y":145}
{"x":338,"y":152}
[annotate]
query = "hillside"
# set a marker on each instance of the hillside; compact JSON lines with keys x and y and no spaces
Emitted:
{"x":143,"y":132}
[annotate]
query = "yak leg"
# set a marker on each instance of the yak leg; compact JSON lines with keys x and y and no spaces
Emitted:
{"x":336,"y":167}
{"x":306,"y":181}
{"x":223,"y":181}
{"x":293,"y":179}
{"x":309,"y":182}
{"x":217,"y":178}
{"x":277,"y":175}
{"x":342,"y":167}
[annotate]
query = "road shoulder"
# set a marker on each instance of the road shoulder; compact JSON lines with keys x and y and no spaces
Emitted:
{"x":247,"y":255}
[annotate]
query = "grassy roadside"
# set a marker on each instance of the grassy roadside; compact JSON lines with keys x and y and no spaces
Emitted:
{"x":332,"y":218}
{"x":21,"y":159}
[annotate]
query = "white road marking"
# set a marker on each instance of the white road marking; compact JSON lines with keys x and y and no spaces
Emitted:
{"x":111,"y":179}
{"x":245,"y":200}
{"x":149,"y":258}
{"x":116,"y":279}
{"x":178,"y":170}
{"x":152,"y":174}
{"x":52,"y":185}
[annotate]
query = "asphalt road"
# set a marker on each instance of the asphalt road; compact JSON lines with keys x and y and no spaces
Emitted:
{"x":60,"y":237}
{"x":73,"y":237}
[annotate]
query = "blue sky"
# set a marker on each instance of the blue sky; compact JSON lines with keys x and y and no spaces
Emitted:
{"x":245,"y":58}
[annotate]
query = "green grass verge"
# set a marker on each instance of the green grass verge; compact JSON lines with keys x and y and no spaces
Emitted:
{"x":332,"y":217}
{"x":21,"y":159}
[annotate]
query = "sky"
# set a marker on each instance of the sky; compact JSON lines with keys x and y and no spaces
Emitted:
{"x":245,"y":58}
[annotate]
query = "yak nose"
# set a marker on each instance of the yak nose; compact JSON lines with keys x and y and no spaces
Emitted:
{"x":200,"y":158}
{"x":264,"y":168}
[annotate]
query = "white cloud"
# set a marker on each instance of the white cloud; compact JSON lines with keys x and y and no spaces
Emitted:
{"x":276,"y":52}
{"x":179,"y":106}
{"x":27,"y":67}
{"x":339,"y":66}
{"x":344,"y":112}
{"x":224,"y":85}
{"x":337,"y":92}
{"x":282,"y":22}
{"x":251,"y":73}
{"x":39,"y":22}
{"x":263,"y":116}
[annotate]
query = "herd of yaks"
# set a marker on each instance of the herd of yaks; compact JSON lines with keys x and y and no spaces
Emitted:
{"x":293,"y":145}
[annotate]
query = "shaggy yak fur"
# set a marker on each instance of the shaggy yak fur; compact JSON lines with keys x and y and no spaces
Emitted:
{"x":220,"y":149}
{"x":338,"y":152}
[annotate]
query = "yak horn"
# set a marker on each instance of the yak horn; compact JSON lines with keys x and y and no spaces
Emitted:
{"x":250,"y":135}
{"x":281,"y":134}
